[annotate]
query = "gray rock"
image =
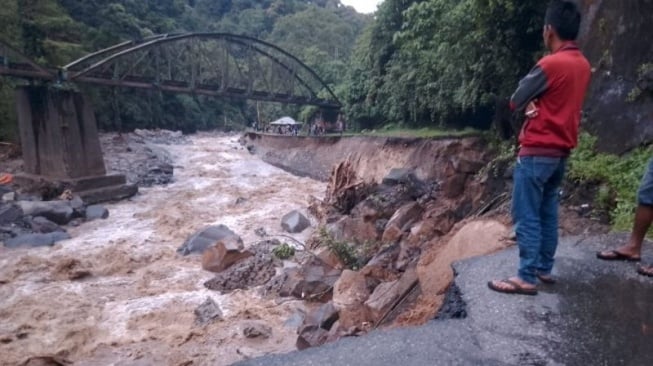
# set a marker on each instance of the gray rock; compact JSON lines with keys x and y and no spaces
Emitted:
{"x":257,"y":330}
{"x":10,"y":196}
{"x":59,"y":212}
{"x":398,"y":176}
{"x":41,"y":225}
{"x":95,"y":212}
{"x":36,"y":240}
{"x":295,"y":222}
{"x":205,"y":238}
{"x":9,"y":213}
{"x":208,"y":312}
{"x":324,"y":316}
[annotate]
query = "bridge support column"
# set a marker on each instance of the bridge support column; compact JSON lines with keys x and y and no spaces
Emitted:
{"x":60,"y":143}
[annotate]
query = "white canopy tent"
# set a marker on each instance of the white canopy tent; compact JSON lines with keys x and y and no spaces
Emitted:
{"x":285,"y":121}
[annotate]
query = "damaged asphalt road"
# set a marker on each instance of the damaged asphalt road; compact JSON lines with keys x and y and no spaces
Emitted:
{"x":599,"y":313}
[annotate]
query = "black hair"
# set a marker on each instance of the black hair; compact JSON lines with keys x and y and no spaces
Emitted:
{"x":564,"y":17}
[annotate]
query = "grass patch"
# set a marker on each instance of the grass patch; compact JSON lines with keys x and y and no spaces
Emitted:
{"x":426,"y":132}
{"x":618,"y":177}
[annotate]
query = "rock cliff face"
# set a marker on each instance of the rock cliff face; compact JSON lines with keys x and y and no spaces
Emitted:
{"x":616,"y":37}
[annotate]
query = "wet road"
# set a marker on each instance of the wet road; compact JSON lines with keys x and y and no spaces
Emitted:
{"x":600,"y":313}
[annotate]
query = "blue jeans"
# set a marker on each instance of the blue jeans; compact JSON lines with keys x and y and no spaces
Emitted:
{"x":535,"y":213}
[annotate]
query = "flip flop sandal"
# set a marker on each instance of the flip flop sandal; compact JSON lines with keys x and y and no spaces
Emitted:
{"x":614,"y":255}
{"x":546,"y":279}
{"x":515,"y":290}
{"x":645,"y":270}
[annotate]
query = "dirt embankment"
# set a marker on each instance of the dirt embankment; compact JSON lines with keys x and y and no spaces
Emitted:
{"x":373,"y":157}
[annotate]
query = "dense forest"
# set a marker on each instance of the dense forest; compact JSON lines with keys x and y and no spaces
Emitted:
{"x":414,"y":63}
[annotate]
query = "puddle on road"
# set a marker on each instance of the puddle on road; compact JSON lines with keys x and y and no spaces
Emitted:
{"x":607,"y":320}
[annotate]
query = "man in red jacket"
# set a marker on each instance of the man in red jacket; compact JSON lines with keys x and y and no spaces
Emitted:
{"x":552,"y":96}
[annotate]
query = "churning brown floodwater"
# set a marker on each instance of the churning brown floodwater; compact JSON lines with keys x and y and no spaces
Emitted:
{"x":137,"y":306}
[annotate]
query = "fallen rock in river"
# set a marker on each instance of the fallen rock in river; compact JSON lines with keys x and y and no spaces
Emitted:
{"x":95,"y":212}
{"x":41,"y":225}
{"x":224,"y":254}
{"x":295,"y":222}
{"x":206,"y":238}
{"x":36,"y":240}
{"x":253,"y":271}
{"x":257,"y":330}
{"x":9,"y":213}
{"x":208,"y":312}
{"x":59,"y":212}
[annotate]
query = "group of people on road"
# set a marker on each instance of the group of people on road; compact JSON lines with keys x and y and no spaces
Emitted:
{"x":551,"y":97}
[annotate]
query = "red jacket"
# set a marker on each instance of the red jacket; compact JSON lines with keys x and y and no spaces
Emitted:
{"x":558,"y":82}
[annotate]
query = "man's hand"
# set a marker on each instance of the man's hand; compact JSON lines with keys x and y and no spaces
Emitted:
{"x":532,"y":110}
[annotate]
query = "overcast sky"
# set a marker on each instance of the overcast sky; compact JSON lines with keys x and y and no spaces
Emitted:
{"x":362,"y":6}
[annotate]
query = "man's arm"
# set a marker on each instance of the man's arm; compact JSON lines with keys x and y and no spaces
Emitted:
{"x":530,"y":87}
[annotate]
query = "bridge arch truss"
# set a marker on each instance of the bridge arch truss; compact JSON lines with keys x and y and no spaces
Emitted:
{"x":212,"y":64}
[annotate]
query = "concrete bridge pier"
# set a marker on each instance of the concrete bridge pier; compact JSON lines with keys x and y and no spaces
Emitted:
{"x":60,"y":144}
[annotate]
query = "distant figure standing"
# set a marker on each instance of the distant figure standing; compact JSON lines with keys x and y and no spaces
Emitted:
{"x":551,"y":96}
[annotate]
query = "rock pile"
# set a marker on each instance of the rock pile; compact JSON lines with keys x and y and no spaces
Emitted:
{"x":137,"y":156}
{"x":27,"y":221}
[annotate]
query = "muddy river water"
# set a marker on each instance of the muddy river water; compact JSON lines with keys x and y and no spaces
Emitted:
{"x":137,"y":305}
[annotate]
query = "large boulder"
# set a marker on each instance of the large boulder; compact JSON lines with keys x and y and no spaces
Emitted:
{"x":42,"y":225}
{"x":295,"y":222}
{"x":388,"y":294}
{"x":249,"y":272}
{"x":95,"y":212}
{"x":311,"y":336}
{"x":312,"y":281}
{"x":400,"y":222}
{"x":206,"y":238}
{"x":208,"y":312}
{"x":224,"y":254}
{"x":36,"y":240}
{"x":356,"y":229}
{"x":59,"y":212}
{"x":323,"y":316}
{"x":350,"y":290}
{"x":9,"y":213}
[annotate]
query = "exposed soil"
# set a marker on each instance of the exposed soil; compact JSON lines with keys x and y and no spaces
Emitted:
{"x":118,"y":293}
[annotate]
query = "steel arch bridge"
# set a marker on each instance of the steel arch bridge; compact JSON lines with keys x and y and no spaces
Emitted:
{"x":211,"y":64}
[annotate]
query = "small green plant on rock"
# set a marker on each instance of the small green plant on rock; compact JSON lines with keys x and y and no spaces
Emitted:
{"x":344,"y":251}
{"x":284,"y":251}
